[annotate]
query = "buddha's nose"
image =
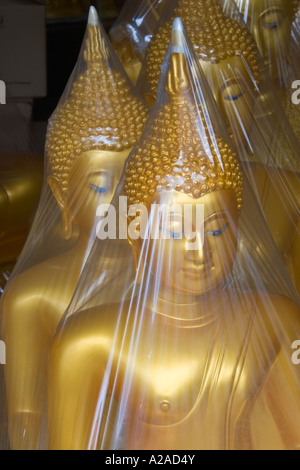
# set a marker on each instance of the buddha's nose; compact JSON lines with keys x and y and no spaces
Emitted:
{"x":197,"y":252}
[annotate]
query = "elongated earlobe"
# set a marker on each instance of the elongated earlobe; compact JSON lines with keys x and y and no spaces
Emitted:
{"x":65,"y":212}
{"x":135,"y":246}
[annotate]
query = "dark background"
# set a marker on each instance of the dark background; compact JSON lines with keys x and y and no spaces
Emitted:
{"x":64,"y":40}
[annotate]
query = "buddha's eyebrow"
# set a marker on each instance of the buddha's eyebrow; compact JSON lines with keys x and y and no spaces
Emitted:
{"x":98,"y":173}
{"x":272,"y":9}
{"x":220,"y":215}
{"x":228,"y":82}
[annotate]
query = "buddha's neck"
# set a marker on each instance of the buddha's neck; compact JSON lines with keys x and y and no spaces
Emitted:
{"x":105,"y":252}
{"x":202,"y":309}
{"x":84,"y":244}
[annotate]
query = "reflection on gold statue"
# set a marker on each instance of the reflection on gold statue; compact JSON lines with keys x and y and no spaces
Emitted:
{"x":89,"y":138}
{"x":130,"y":35}
{"x":131,"y":62}
{"x":271,"y":22}
{"x":21,"y":178}
{"x":188,"y":362}
{"x":229,"y":58}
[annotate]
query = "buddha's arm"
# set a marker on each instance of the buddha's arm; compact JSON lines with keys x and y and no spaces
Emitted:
{"x":294,"y":267}
{"x":293,"y":183}
{"x":277,"y":425}
{"x":26,"y":336}
{"x":77,"y":369}
{"x":279,"y":194}
{"x":20,"y":187}
{"x":281,"y":400}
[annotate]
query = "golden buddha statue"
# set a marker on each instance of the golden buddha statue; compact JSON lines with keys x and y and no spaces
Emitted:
{"x":21,"y":178}
{"x":230,"y":60}
{"x":132,"y":31}
{"x":89,"y":137}
{"x":270,"y":23}
{"x":195,"y":359}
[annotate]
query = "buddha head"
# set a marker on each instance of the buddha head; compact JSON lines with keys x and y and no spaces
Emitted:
{"x":179,"y":165}
{"x":227,"y":53}
{"x":91,"y":134}
{"x":270,"y":22}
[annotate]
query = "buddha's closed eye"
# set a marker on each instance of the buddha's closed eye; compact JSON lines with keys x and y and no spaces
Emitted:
{"x":218,"y":233}
{"x":234,"y":97}
{"x":99,"y":189}
{"x":272,"y":19}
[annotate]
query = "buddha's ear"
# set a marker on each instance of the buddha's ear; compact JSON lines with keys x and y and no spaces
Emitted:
{"x":64,"y":209}
{"x":135,"y":245}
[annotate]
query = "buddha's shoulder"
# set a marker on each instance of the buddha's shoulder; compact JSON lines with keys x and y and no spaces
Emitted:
{"x":275,"y":316}
{"x":101,"y":312}
{"x":40,"y":281}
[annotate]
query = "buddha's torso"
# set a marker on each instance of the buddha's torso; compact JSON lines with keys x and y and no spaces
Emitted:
{"x":279,"y":196}
{"x":184,"y":384}
{"x":43,"y":291}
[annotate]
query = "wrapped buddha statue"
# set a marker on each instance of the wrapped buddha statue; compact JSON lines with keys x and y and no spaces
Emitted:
{"x":21,"y":179}
{"x":132,"y":31}
{"x":266,"y":145}
{"x":96,"y":124}
{"x":271,"y":24}
{"x":196,"y":358}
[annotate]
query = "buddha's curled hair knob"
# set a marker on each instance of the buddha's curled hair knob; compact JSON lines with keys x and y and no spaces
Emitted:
{"x":101,"y":111}
{"x":178,"y":81}
{"x":96,"y":52}
{"x":177,"y":148}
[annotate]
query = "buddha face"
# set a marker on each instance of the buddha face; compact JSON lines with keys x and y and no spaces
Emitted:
{"x":233,"y":90}
{"x":92,"y":181}
{"x":270,"y":23}
{"x":195,"y":271}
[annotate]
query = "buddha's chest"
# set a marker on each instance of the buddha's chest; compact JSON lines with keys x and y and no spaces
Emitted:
{"x":190,"y":376}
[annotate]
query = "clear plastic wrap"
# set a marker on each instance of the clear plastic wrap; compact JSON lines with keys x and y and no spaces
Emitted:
{"x":132,"y":32}
{"x":242,"y":88}
{"x":95,"y":125}
{"x":274,"y":28}
{"x":197,"y":351}
{"x":21,"y":178}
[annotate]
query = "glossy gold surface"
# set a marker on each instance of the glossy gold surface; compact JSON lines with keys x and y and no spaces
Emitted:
{"x":89,"y":137}
{"x":21,"y":179}
{"x":131,"y":63}
{"x":271,"y":25}
{"x":232,"y":73}
{"x":34,"y":302}
{"x":129,"y":29}
{"x":175,"y":376}
{"x":205,"y":359}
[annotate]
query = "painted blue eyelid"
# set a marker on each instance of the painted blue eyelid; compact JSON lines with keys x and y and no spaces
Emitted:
{"x":271,"y":26}
{"x":218,"y":233}
{"x":234,"y":98}
{"x":215,"y":233}
{"x":172,"y":234}
{"x":98,"y":189}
